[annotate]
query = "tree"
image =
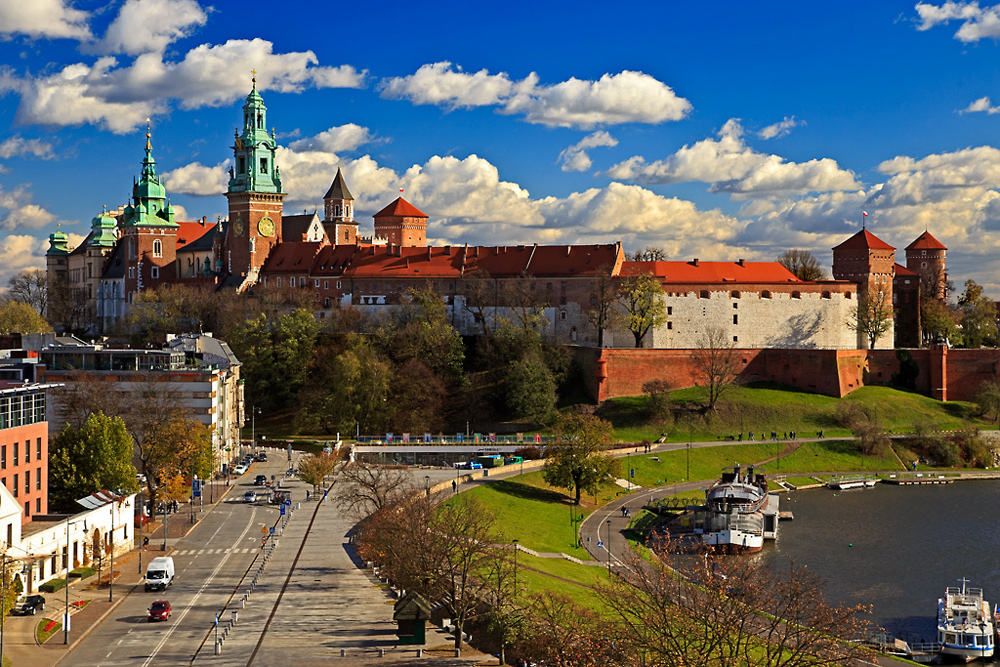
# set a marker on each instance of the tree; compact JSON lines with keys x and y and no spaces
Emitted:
{"x":641,"y":297}
{"x":677,"y":612}
{"x":803,"y":264}
{"x":872,"y":317}
{"x":601,"y":311}
{"x":531,"y":389}
{"x":83,"y":461}
{"x":716,"y":363}
{"x":648,"y":254}
{"x":364,"y":489}
{"x":940,"y":322}
{"x":314,"y":469}
{"x":69,"y":309}
{"x":418,"y":398}
{"x":171,"y":450}
{"x":576,"y":462}
{"x":19,"y":317}
{"x":979,"y":316}
{"x":423,"y":332}
{"x":30,"y":286}
{"x":987,"y":399}
{"x":657,"y":399}
{"x":170,"y":309}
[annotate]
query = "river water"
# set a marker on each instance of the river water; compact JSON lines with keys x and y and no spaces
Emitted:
{"x":895,"y":547}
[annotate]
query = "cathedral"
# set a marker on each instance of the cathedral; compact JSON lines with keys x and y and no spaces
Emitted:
{"x":141,"y":246}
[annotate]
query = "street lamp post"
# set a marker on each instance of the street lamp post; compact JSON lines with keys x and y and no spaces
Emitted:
{"x":608,"y":547}
{"x":3,"y":598}
{"x":688,"y":475}
{"x":111,"y":572}
{"x":427,"y":485}
{"x":66,"y":615}
{"x":515,"y":568}
{"x":142,"y":520}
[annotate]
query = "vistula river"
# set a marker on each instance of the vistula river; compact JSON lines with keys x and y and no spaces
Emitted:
{"x":896,"y":547}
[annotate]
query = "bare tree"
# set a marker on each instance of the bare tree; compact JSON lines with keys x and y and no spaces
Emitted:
{"x":480,"y":293}
{"x":365,"y":489}
{"x":803,"y":264}
{"x":69,"y":309}
{"x":716,"y":363}
{"x":30,"y":286}
{"x":872,"y":317}
{"x":732,"y":611}
{"x":641,"y":297}
{"x":650,"y":253}
{"x":601,"y":311}
{"x":521,"y":295}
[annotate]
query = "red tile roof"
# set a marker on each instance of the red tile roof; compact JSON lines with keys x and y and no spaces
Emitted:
{"x":189,"y":232}
{"x":401,"y":207}
{"x":864,"y":240}
{"x":713,"y":272}
{"x":291,"y":257}
{"x":903,"y":271}
{"x":926,"y":242}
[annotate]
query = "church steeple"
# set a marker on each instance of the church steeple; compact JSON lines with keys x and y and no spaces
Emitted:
{"x":253,"y":150}
{"x":338,"y":213}
{"x":149,"y":206}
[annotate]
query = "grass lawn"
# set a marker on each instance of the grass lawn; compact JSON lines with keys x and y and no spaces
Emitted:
{"x":45,"y":629}
{"x":560,"y":576}
{"x":762,"y":407}
{"x":832,"y":456}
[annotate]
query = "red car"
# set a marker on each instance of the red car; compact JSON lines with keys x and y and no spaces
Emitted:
{"x":159,"y":611}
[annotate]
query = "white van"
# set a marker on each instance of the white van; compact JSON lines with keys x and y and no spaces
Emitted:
{"x":160,"y":573}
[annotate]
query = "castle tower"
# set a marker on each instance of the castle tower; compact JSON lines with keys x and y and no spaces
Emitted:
{"x":927,"y":256}
{"x":148,"y":231}
{"x":338,"y":213}
{"x":100,"y":244}
{"x":56,"y":262}
{"x":870,"y":262}
{"x":254,"y":193}
{"x":401,"y":223}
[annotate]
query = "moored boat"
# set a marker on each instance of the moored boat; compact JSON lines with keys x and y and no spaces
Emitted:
{"x":965,"y":625}
{"x":740,"y":513}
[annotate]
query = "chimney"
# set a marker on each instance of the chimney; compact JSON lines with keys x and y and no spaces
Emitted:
{"x":447,"y":250}
{"x":568,"y":248}
{"x":695,"y":261}
{"x":742,"y":262}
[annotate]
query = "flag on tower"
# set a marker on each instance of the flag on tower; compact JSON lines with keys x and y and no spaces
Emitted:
{"x":864,"y":214}
{"x":401,"y":192}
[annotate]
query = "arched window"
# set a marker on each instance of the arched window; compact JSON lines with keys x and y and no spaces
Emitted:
{"x":132,"y":252}
{"x":157,"y":248}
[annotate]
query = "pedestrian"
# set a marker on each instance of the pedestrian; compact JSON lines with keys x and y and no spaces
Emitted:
{"x":454,"y":486}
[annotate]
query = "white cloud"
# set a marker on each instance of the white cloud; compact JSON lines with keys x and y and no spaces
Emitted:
{"x":18,"y":212}
{"x":47,"y":19}
{"x":144,"y":26}
{"x":733,"y":167}
{"x":977,"y":22}
{"x":121,"y":98}
{"x":341,"y":138}
{"x":780,"y":129}
{"x":626,"y":97}
{"x":17,"y":145}
{"x":197,"y":179}
{"x":576,"y":158}
{"x":982,"y":104}
{"x":19,"y":252}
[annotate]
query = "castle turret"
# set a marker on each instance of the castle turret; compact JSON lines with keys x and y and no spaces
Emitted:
{"x":338,"y":213}
{"x":928,"y":257}
{"x":401,"y":223}
{"x":870,"y":262}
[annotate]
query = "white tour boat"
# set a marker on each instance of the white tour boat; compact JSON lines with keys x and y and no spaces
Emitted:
{"x":740,"y":513}
{"x":965,"y":624}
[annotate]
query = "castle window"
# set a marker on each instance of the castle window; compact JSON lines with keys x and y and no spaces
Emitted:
{"x":826,"y":295}
{"x":704,"y":294}
{"x":131,"y":272}
{"x":157,"y":248}
{"x":253,"y":245}
{"x":277,"y":282}
{"x":847,"y":295}
{"x":336,"y":210}
{"x":263,"y":165}
{"x":338,"y":284}
{"x":242,"y":165}
{"x":347,"y":235}
{"x":326,"y":302}
{"x":766,"y":294}
{"x":736,"y":339}
{"x":735,"y":306}
{"x":155,"y":272}
{"x":734,"y":295}
{"x":562,"y":315}
{"x":796,"y":295}
{"x":347,"y":210}
{"x":132,"y":252}
{"x":670,"y":325}
{"x":736,"y":319}
{"x":670,"y":310}
{"x":316,"y":283}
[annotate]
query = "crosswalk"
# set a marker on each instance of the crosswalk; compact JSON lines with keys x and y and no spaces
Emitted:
{"x":209,"y":552}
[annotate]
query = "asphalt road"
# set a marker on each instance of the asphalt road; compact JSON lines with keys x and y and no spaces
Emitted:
{"x":210,"y":563}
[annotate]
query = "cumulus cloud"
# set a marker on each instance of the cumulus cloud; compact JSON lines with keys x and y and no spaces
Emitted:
{"x":47,"y":19}
{"x":576,"y":158}
{"x":18,"y":212}
{"x":144,"y":26}
{"x":983,"y":104}
{"x":733,"y":167}
{"x":626,"y":97}
{"x":977,"y":22}
{"x":19,"y":252}
{"x":780,"y":129}
{"x":17,"y":145}
{"x":197,"y":179}
{"x":120,"y":98}
{"x":341,"y":138}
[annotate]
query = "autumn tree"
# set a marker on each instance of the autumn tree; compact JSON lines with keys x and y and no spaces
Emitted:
{"x":803,"y":264}
{"x":171,"y":451}
{"x":601,"y":312}
{"x":716,"y":363}
{"x":170,"y":309}
{"x":940,"y":322}
{"x":576,"y":462}
{"x":83,"y":461}
{"x":30,"y":286}
{"x":364,"y":488}
{"x":314,"y":469}
{"x":560,"y":631}
{"x":641,"y":298}
{"x":675,"y":612}
{"x":423,"y":331}
{"x":19,"y":317}
{"x":872,"y":316}
{"x":979,"y":316}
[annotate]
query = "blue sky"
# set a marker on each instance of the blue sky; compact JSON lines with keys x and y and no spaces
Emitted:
{"x":718,"y":131}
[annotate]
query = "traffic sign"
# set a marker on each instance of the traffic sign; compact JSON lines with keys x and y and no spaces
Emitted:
{"x":632,"y":472}
{"x":271,"y":530}
{"x":600,"y":544}
{"x":288,"y":501}
{"x":282,"y":510}
{"x":263,"y":529}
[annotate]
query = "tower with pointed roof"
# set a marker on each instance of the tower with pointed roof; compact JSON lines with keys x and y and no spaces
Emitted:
{"x":928,"y":257}
{"x":401,"y":223}
{"x":254,"y":193}
{"x":870,"y":262}
{"x":338,"y":213}
{"x":148,"y":231}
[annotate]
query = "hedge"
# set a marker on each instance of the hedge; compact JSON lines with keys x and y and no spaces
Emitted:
{"x":52,"y":585}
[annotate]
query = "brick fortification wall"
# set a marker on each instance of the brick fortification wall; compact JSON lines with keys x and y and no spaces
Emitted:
{"x":943,"y":374}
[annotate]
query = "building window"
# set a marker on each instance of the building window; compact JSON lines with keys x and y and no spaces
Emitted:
{"x":242,"y":166}
{"x":38,"y":510}
{"x":263,"y":165}
{"x":3,"y":457}
{"x":27,"y":483}
{"x":735,"y":294}
{"x":157,"y":248}
{"x":736,"y":319}
{"x":562,"y":315}
{"x":796,"y":295}
{"x":155,"y":272}
{"x":16,"y":486}
{"x":735,"y":306}
{"x":316,"y":283}
{"x":826,"y":295}
{"x":847,"y":295}
{"x":704,"y":294}
{"x":27,"y":452}
{"x":277,"y":282}
{"x":38,"y":449}
{"x":38,"y":479}
{"x":15,"y":457}
{"x":326,"y":302}
{"x":338,"y":284}
{"x":302,"y":281}
{"x":670,"y":325}
{"x":765,"y":294}
{"x":736,"y":339}
{"x":131,"y":272}
{"x":670,"y":310}
{"x":326,"y":284}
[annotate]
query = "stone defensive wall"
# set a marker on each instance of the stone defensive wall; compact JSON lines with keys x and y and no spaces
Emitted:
{"x":938,"y":372}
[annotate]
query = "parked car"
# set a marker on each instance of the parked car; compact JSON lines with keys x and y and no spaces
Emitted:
{"x":469,"y":465}
{"x":29,"y":605}
{"x":239,"y":469}
{"x":159,"y":611}
{"x":261,"y":456}
{"x":250,"y":497}
{"x":260,"y":480}
{"x":512,"y":460}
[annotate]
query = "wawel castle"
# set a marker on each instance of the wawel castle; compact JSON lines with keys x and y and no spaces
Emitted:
{"x":757,"y":304}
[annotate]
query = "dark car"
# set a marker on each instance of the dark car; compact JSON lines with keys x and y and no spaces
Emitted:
{"x":261,"y":456}
{"x":29,"y":605}
{"x":260,"y":480}
{"x":159,"y":611}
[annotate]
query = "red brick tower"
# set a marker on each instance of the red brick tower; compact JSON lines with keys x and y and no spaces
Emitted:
{"x":927,"y":256}
{"x":870,"y":262}
{"x":401,"y":223}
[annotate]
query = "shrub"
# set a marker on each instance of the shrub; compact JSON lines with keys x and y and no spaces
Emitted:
{"x":52,"y":585}
{"x":82,"y":572}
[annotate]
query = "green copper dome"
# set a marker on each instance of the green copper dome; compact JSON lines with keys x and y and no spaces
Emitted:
{"x":58,"y":243}
{"x":103,"y":231}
